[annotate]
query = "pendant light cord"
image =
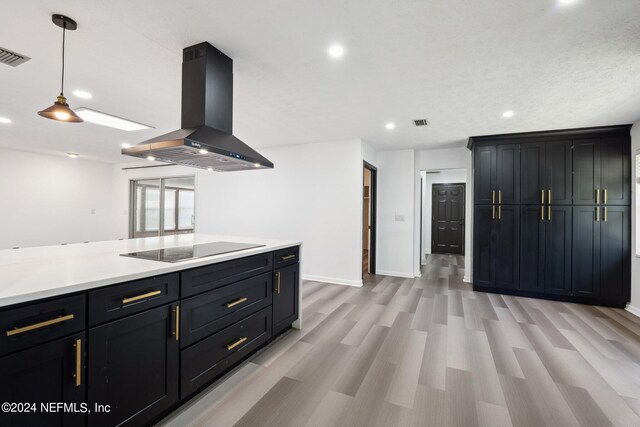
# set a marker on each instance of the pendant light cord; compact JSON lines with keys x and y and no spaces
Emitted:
{"x":64,"y":30}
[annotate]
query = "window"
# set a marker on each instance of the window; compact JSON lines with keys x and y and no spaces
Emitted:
{"x":637,"y":219}
{"x":162,"y":206}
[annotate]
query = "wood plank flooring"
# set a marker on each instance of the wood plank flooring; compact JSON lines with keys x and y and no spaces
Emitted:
{"x":431,"y":352}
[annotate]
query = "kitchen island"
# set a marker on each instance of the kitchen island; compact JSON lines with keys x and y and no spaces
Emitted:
{"x":123,"y":340}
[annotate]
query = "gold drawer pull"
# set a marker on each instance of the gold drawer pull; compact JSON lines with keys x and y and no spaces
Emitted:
{"x":60,"y":319}
{"x":278,"y":283}
{"x":605,"y":196}
{"x":597,"y":214}
{"x":177,"y":312}
{"x":500,"y":197}
{"x":605,"y":213}
{"x":139,"y":297}
{"x":237,"y":343}
{"x":597,"y":196}
{"x":236,"y":302}
{"x":284,"y":258}
{"x":542,"y":192}
{"x":542,"y":213}
{"x":78,"y":374}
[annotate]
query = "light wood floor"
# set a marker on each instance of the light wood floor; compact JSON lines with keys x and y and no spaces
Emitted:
{"x":431,"y":352}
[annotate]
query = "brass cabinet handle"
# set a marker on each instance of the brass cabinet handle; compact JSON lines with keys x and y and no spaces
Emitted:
{"x":597,"y":213}
{"x":139,"y":297}
{"x":236,"y":302}
{"x":542,"y":193}
{"x":177,"y":332}
{"x":549,"y":191}
{"x":493,"y":196}
{"x":500,"y":197}
{"x":493,"y":211}
{"x":605,"y":197}
{"x":605,"y":214}
{"x":60,"y":319}
{"x":237,"y":343}
{"x":499,"y":212}
{"x":597,"y":196}
{"x":542,"y":213}
{"x":549,"y":213}
{"x":284,"y":258}
{"x":78,"y":374}
{"x":278,"y":282}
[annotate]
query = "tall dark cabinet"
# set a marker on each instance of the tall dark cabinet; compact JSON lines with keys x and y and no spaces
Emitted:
{"x":552,"y":214}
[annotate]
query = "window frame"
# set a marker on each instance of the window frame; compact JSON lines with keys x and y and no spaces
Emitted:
{"x":133,"y":184}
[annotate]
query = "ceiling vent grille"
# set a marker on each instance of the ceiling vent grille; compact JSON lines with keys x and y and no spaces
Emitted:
{"x":421,"y":122}
{"x":11,"y":58}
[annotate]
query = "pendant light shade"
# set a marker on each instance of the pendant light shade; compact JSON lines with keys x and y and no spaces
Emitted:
{"x":60,"y":109}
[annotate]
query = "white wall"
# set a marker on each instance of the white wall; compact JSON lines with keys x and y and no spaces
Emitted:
{"x":452,"y":158}
{"x":446,"y":176}
{"x":634,"y":305}
{"x":396,"y":204}
{"x":48,"y":200}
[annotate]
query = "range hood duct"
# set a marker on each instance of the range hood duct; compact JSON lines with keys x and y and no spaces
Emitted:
{"x":206,"y":138}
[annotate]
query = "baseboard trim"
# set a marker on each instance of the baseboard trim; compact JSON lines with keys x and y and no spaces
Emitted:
{"x":466,"y":279}
{"x":633,"y":310}
{"x":395,"y":274}
{"x":332,"y":280}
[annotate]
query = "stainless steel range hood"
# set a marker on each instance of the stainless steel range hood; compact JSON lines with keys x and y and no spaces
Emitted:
{"x":205,"y":140}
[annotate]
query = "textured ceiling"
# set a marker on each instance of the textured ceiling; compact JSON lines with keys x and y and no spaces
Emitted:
{"x":458,"y":63}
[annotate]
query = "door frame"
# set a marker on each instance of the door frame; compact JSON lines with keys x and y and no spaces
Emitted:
{"x":373,"y":201}
{"x":464,"y":216}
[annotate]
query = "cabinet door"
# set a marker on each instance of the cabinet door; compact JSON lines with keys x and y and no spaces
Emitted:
{"x":586,"y":252}
{"x":507,"y":247}
{"x":615,"y":161}
{"x":532,"y":175}
{"x":558,"y":173}
{"x":532,"y":248}
{"x":508,"y":174}
{"x":615,"y":253}
{"x":285,"y":297}
{"x":586,"y":171}
{"x":484,"y":174}
{"x":43,"y":374}
{"x":557,"y":252}
{"x":133,"y":367}
{"x":483,"y":246}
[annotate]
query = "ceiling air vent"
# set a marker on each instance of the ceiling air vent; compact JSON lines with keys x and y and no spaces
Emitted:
{"x":11,"y":58}
{"x":421,"y":122}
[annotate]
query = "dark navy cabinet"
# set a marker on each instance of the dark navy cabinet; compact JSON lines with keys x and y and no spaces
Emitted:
{"x":551,"y":216}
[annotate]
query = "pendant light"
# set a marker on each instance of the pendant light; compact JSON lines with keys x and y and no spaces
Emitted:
{"x":60,"y":109}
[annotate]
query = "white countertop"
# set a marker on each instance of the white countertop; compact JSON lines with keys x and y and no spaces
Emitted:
{"x":29,"y":274}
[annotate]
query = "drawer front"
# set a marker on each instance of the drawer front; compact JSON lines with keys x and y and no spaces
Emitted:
{"x":117,"y":301}
{"x":286,"y":256}
{"x":212,"y":311}
{"x":204,"y":279}
{"x":213,"y":356}
{"x":40,"y":322}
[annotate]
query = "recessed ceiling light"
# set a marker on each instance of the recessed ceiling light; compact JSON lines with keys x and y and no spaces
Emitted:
{"x":73,"y":155}
{"x":508,"y":114}
{"x":125,"y":145}
{"x":82,"y":94}
{"x":210,"y":169}
{"x":105,"y":119}
{"x":151,"y":158}
{"x":257,"y":165}
{"x":566,"y":1}
{"x":336,"y":51}
{"x":203,"y":151}
{"x":5,"y":120}
{"x":390,"y":125}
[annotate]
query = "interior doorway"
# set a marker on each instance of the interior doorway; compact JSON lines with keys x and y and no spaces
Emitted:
{"x":369,"y":193}
{"x":447,"y":219}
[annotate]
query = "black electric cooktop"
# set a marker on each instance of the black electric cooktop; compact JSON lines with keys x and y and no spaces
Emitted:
{"x":183,"y":253}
